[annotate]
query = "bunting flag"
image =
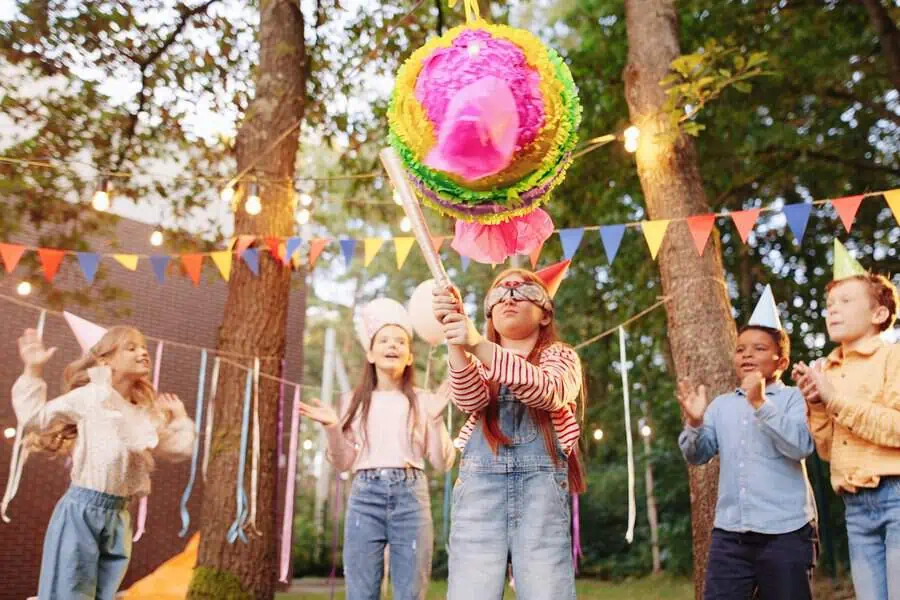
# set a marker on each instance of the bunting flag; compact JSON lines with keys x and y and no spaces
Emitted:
{"x":571,"y":240}
{"x":129,"y":261}
{"x":744,"y":220}
{"x":159,"y":264}
{"x":50,"y":261}
{"x":223,"y":261}
{"x":797,"y":216}
{"x":654,"y":232}
{"x":243,"y":242}
{"x":465,"y":260}
{"x":846,"y":208}
{"x":611,"y":236}
{"x":535,"y":255}
{"x":701,"y":227}
{"x":315,"y":249}
{"x":892,"y":198}
{"x":193,"y":264}
{"x":348,"y":246}
{"x":371,"y":247}
{"x":437,"y":242}
{"x":274,"y":245}
{"x":250,"y":256}
{"x":293,"y":244}
{"x":402,"y":246}
{"x":88,"y":261}
{"x":11,"y":253}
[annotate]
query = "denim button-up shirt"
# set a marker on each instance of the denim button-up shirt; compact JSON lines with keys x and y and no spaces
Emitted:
{"x":762,"y":481}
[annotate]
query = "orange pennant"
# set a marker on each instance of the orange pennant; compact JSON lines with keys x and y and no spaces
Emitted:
{"x":437,"y":242}
{"x":243,"y":242}
{"x":744,"y":220}
{"x":193,"y":264}
{"x":50,"y":260}
{"x":846,"y":208}
{"x":274,"y":244}
{"x":11,"y":254}
{"x":701,"y":226}
{"x":315,"y":249}
{"x":535,"y":255}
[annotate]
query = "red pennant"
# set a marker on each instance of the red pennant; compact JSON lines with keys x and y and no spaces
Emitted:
{"x":243,"y":242}
{"x":535,"y":255}
{"x":11,"y":254}
{"x":701,"y":226}
{"x":315,"y":249}
{"x":744,"y":220}
{"x":274,"y":244}
{"x":437,"y":242}
{"x":846,"y":208}
{"x":50,"y":260}
{"x":193,"y":264}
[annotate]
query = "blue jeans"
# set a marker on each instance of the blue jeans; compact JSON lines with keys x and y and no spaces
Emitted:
{"x":388,"y":506}
{"x":87,"y":547}
{"x":511,"y":506}
{"x":873,"y":529}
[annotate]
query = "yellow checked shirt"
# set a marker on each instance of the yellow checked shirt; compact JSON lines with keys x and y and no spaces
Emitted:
{"x":858,"y":431}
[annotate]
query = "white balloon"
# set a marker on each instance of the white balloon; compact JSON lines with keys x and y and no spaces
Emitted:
{"x":422,"y":316}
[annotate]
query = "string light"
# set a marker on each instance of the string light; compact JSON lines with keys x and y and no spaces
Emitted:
{"x":23,"y":289}
{"x":405,"y":225}
{"x":9,"y":432}
{"x":397,"y":199}
{"x":100,"y":201}
{"x":305,"y":199}
{"x":156,"y":238}
{"x":303,"y":216}
{"x":598,"y":434}
{"x":253,"y":206}
{"x":307,"y":444}
{"x":646,"y":431}
{"x":227,"y":194}
{"x":632,"y":136}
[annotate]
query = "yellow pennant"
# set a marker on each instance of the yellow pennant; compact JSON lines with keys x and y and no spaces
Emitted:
{"x":223,"y":262}
{"x":129,"y":261}
{"x":402,"y":246}
{"x":372,"y":246}
{"x":893,"y":200}
{"x":654,"y":232}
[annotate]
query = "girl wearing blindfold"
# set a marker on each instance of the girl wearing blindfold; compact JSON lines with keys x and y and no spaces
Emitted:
{"x":521,"y":387}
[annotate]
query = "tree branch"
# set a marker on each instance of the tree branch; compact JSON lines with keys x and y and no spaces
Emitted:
{"x":888,"y":37}
{"x":440,"y":16}
{"x":856,"y":164}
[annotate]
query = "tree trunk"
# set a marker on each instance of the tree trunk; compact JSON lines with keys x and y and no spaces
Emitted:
{"x":888,"y":37}
{"x":255,"y":319}
{"x":701,"y":331}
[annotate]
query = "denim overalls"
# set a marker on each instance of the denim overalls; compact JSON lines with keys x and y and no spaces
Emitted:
{"x":511,"y":505}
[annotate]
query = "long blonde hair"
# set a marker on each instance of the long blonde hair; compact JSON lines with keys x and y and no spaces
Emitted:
{"x":59,"y":438}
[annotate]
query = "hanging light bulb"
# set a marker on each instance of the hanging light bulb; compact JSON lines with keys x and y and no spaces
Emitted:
{"x":101,"y":196}
{"x":9,"y":433}
{"x":156,"y":238}
{"x":598,"y":434}
{"x":646,"y":431}
{"x":405,"y":225}
{"x":397,"y":199}
{"x":305,"y":199}
{"x":303,"y":216}
{"x":227,"y":194}
{"x":23,"y":289}
{"x":253,"y":206}
{"x":307,"y":444}
{"x":632,"y":135}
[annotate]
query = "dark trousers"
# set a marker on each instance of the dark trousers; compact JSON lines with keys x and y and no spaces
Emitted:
{"x":777,"y":566}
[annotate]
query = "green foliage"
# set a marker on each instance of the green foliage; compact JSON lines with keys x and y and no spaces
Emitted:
{"x":211,"y":583}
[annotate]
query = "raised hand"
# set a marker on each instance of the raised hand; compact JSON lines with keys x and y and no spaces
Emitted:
{"x":32,"y":351}
{"x":460,"y":331}
{"x":802,"y":374}
{"x":754,"y":385}
{"x":171,"y":405}
{"x":693,"y":402}
{"x":444,"y":301}
{"x":318,"y":412}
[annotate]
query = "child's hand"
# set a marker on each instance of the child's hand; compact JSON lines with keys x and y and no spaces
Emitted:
{"x":817,"y":385}
{"x":801,"y":373}
{"x":318,"y":412}
{"x":459,"y":331}
{"x":171,"y":405}
{"x":693,"y":402}
{"x":754,"y":385}
{"x":444,"y":301}
{"x":33,"y":353}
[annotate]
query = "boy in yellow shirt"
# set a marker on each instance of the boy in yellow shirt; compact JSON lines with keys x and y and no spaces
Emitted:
{"x":853,"y":407}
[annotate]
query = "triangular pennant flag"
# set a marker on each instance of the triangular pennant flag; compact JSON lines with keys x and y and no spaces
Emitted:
{"x":274,"y":245}
{"x":700,"y":227}
{"x":193,"y":264}
{"x":744,"y":220}
{"x":129,"y":261}
{"x":654,"y":232}
{"x":371,"y":247}
{"x":465,"y":260}
{"x":402,"y":246}
{"x":243,"y":242}
{"x":50,"y":260}
{"x":230,"y":243}
{"x":88,"y":261}
{"x":766,"y":312}
{"x":159,"y":264}
{"x":11,"y":254}
{"x":892,"y":198}
{"x":571,"y":239}
{"x":611,"y":236}
{"x":535,"y":255}
{"x":223,"y":261}
{"x":250,"y":257}
{"x":291,"y":246}
{"x":846,"y":208}
{"x":348,"y":245}
{"x":797,"y":216}
{"x":845,"y":265}
{"x":437,"y":242}
{"x":315,"y":249}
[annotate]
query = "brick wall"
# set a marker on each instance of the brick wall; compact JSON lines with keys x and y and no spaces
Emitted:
{"x":175,"y":311}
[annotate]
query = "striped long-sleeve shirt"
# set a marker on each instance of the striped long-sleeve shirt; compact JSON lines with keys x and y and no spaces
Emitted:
{"x":554,"y":385}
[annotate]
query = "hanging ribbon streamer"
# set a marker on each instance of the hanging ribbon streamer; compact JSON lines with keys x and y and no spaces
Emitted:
{"x":19,"y":453}
{"x":279,"y":442}
{"x":198,"y":419}
{"x":210,"y":412}
{"x":142,"y":506}
{"x":332,"y":578}
{"x":287,"y":525}
{"x":473,"y":13}
{"x":254,"y":465}
{"x":236,"y":530}
{"x":448,"y":487}
{"x":576,"y":532}
{"x":632,"y":506}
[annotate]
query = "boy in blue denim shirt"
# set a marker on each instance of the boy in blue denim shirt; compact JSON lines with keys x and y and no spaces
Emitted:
{"x":763,"y":537}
